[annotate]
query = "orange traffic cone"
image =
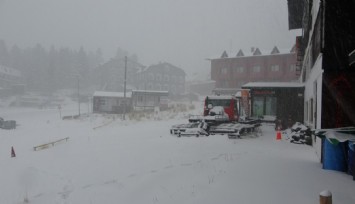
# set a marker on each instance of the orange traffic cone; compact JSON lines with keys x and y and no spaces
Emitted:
{"x":278,"y":135}
{"x":13,"y":154}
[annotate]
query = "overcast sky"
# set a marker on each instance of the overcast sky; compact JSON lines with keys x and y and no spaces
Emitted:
{"x":182,"y":32}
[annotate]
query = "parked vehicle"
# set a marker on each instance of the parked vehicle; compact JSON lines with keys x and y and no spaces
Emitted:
{"x":190,"y":129}
{"x":7,"y":124}
{"x":221,"y":115}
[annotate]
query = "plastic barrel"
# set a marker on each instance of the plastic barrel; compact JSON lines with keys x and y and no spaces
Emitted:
{"x":334,"y":156}
{"x":351,"y":161}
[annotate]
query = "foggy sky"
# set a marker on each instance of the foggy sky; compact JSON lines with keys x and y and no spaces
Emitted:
{"x":182,"y":32}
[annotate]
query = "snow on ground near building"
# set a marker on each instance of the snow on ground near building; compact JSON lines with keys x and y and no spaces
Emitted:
{"x":140,"y":162}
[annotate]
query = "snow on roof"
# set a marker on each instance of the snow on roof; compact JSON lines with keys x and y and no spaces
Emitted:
{"x":196,"y":82}
{"x":112,"y":94}
{"x":219,"y":97}
{"x":274,"y":84}
{"x":249,"y":53}
{"x":151,"y":92}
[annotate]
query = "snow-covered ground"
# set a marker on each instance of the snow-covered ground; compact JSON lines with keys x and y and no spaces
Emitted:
{"x":115,"y":161}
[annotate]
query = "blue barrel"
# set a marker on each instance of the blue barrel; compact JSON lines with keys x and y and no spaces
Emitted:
{"x":351,"y":161}
{"x":334,"y":157}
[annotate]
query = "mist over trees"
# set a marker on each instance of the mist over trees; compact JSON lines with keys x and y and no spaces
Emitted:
{"x":47,"y":70}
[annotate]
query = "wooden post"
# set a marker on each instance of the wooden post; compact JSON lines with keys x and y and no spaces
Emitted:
{"x":325,"y":197}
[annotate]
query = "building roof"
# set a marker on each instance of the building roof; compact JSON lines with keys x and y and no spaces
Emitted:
{"x":220,"y":97}
{"x":254,"y":51}
{"x":165,"y":67}
{"x":9,"y":71}
{"x":112,"y":94}
{"x":273,"y":85}
{"x":153,"y":92}
{"x":119,"y":64}
{"x":295,"y":14}
{"x":225,"y":91}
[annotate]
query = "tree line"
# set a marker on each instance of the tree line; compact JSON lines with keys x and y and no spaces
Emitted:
{"x":47,"y":70}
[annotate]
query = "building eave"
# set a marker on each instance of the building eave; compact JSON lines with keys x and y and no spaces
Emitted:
{"x":295,"y":14}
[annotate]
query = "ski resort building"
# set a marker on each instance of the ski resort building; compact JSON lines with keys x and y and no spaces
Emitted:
{"x":162,"y":77}
{"x":111,"y":102}
{"x":325,"y":54}
{"x":277,"y":100}
{"x":148,"y":100}
{"x":326,"y":60}
{"x":231,"y":71}
{"x":114,"y":102}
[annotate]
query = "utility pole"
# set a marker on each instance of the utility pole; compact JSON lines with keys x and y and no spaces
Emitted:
{"x":77,"y":76}
{"x":124,"y":91}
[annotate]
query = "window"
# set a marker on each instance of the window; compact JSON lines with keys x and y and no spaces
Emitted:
{"x":258,"y":106}
{"x":311,"y":110}
{"x":306,"y":111}
{"x":270,"y":106}
{"x":275,"y":68}
{"x":219,"y":102}
{"x":224,"y":70}
{"x":292,"y":68}
{"x":158,"y":77}
{"x":240,"y":69}
{"x":224,"y":84}
{"x":256,"y":68}
{"x":102,"y":102}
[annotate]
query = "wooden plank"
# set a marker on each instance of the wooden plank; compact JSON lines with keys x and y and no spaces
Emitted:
{"x":47,"y":145}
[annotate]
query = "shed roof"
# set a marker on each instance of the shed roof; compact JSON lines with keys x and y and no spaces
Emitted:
{"x":295,"y":13}
{"x":273,"y":85}
{"x":220,"y":97}
{"x":153,"y":92}
{"x":112,"y":94}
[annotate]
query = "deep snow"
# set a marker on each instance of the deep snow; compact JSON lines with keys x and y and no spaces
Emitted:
{"x":140,"y":162}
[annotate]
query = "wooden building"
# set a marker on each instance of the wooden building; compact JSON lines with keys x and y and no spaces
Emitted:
{"x":280,"y":100}
{"x":148,"y":100}
{"x":162,"y":77}
{"x":111,"y":102}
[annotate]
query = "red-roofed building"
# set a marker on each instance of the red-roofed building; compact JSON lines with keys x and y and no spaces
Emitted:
{"x":235,"y":70}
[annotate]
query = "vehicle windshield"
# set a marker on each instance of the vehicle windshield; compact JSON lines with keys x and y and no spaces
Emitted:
{"x":219,"y":102}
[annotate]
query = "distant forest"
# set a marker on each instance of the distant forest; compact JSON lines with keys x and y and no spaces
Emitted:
{"x":57,"y":68}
